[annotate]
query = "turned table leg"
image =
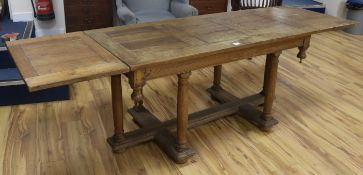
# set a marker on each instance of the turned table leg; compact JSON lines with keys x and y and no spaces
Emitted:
{"x":175,"y":147}
{"x":182,"y":111}
{"x":266,"y":75}
{"x":137,"y":82}
{"x":270,"y":84}
{"x":303,"y":48}
{"x":217,"y":78}
{"x":117,"y":109}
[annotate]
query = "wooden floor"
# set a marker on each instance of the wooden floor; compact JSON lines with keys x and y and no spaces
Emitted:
{"x":319,"y":105}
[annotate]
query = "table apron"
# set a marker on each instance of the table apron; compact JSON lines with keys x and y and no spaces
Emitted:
{"x":174,"y":68}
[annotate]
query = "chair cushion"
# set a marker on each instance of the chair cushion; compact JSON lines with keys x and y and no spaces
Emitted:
{"x":147,"y":5}
{"x":148,"y":16}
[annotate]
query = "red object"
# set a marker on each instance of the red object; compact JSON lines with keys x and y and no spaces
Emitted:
{"x":44,"y":10}
{"x":10,"y":36}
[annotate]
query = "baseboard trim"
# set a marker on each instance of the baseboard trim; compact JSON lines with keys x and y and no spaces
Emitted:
{"x":39,"y":33}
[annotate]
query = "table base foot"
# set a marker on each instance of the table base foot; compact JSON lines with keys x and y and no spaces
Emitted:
{"x":256,"y":117}
{"x":164,"y":138}
{"x":168,"y":143}
{"x":114,"y":142}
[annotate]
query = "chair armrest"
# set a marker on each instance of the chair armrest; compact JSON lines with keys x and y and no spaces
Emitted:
{"x":125,"y":14}
{"x":181,"y":9}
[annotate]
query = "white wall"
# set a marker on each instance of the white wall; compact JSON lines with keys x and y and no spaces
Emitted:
{"x":22,"y":10}
{"x":335,"y":7}
{"x":56,"y":26}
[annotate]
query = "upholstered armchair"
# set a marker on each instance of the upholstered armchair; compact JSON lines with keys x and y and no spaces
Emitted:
{"x":139,"y":11}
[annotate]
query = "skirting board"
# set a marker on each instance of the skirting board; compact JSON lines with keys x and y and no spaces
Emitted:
{"x":45,"y":32}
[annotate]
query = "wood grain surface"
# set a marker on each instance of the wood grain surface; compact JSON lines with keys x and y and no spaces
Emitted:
{"x":172,"y":43}
{"x":62,"y":59}
{"x":318,"y":103}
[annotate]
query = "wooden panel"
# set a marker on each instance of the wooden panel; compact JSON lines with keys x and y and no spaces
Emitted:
{"x":84,"y":2}
{"x":169,"y":43}
{"x":88,"y":14}
{"x":210,"y":6}
{"x":62,"y":59}
{"x":222,"y":58}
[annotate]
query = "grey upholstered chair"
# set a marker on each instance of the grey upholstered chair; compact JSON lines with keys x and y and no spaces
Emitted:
{"x":139,"y":11}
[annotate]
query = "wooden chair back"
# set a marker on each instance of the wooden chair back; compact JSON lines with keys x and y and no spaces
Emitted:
{"x":253,"y":4}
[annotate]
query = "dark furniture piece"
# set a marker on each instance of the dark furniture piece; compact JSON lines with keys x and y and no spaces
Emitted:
{"x":253,"y":4}
{"x":209,"y":6}
{"x":87,"y":14}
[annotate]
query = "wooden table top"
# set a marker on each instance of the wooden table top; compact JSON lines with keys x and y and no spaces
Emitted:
{"x":57,"y":60}
{"x":157,"y":43}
